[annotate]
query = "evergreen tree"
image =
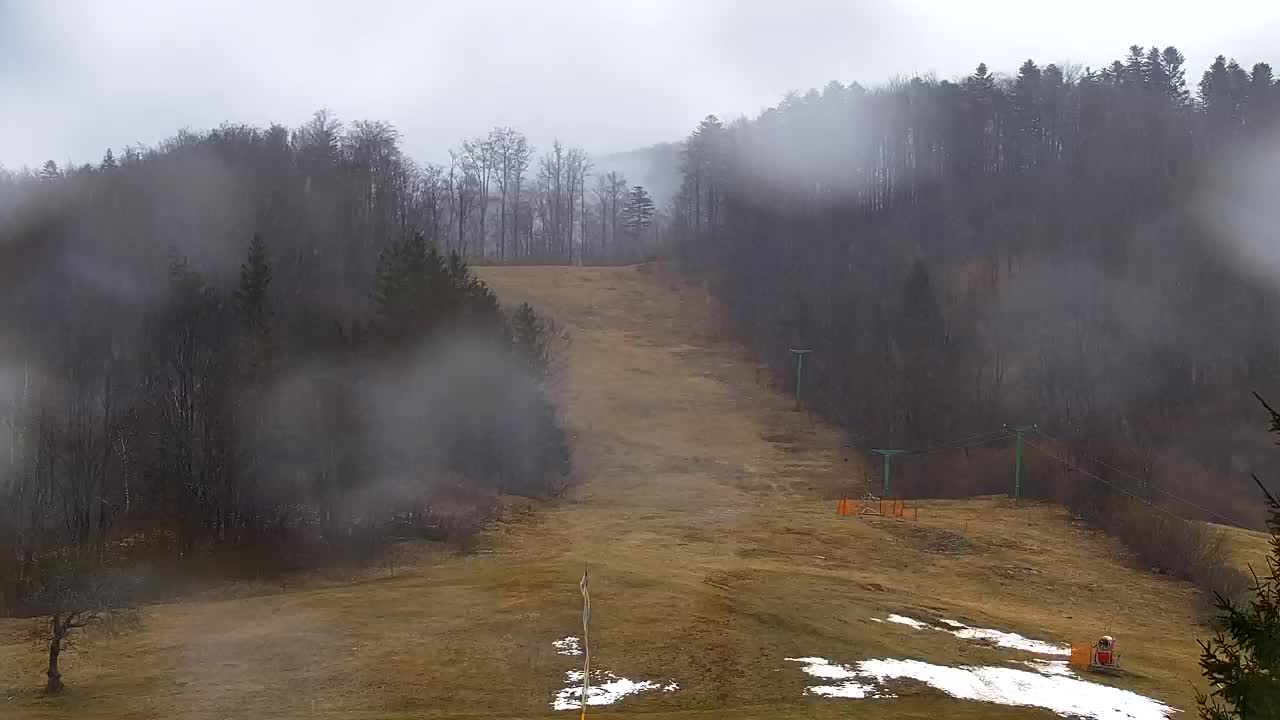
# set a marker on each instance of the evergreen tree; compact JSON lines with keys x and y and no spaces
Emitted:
{"x":50,"y":171}
{"x":981,"y":91}
{"x":1239,"y":89}
{"x":1215,"y":93}
{"x":1261,"y":95}
{"x":981,"y":80}
{"x":529,"y":341}
{"x":1115,"y":74}
{"x":1242,"y":661}
{"x":1224,"y":89}
{"x":412,"y":291}
{"x":418,"y":292}
{"x":703,"y":170}
{"x":1135,"y":70}
{"x":108,"y":161}
{"x":1026,"y":107}
{"x":251,"y":294}
{"x":1176,"y":75}
{"x":1157,"y":72}
{"x":476,"y":306}
{"x":637,"y":214}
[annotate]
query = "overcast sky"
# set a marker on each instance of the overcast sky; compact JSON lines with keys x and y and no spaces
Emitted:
{"x":78,"y":77}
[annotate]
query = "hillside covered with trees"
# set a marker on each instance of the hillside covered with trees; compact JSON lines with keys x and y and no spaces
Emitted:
{"x":1060,"y":247}
{"x":262,"y":347}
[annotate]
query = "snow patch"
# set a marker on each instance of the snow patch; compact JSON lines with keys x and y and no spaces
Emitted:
{"x":910,"y":622}
{"x":1050,"y":667}
{"x":819,"y":667}
{"x":1007,"y":639}
{"x":606,"y":689}
{"x":850,"y":689}
{"x":1051,"y":689}
{"x":999,"y":638}
{"x":567,"y":646}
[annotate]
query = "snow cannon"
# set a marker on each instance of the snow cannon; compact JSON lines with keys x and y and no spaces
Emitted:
{"x":1104,"y":657}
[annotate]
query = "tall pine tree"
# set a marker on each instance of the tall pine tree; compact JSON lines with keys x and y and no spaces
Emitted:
{"x":529,"y":341}
{"x":251,"y":293}
{"x":637,"y":214}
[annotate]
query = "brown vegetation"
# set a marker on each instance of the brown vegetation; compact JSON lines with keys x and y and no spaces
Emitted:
{"x":712,"y":554}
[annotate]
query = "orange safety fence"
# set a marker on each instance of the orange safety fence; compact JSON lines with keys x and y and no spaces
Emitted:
{"x":872,"y":505}
{"x":1081,"y":655}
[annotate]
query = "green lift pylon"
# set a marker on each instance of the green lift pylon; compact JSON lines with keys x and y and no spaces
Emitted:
{"x":799,"y":353}
{"x":887,"y":454}
{"x":1017,"y":458}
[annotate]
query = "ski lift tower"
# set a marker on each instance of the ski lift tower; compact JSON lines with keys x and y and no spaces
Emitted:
{"x":799,"y":370}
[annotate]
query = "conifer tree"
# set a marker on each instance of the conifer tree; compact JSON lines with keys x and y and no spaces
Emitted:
{"x":529,"y":341}
{"x":1176,"y":75}
{"x":637,"y":214}
{"x":251,"y":294}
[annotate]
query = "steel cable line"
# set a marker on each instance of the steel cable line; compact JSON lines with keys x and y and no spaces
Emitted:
{"x":1201,"y":508}
{"x":1086,"y":473}
{"x":974,"y":441}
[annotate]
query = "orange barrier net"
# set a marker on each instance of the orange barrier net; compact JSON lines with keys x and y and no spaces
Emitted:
{"x":1081,"y":655}
{"x":872,"y":505}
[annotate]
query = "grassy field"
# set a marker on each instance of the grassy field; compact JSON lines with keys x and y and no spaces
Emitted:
{"x":713,"y":552}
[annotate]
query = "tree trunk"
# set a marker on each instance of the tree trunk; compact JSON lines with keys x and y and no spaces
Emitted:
{"x":568,"y":252}
{"x":604,"y":232}
{"x":613,"y":218}
{"x":462,"y":217}
{"x":502,"y":228}
{"x":515,"y":223}
{"x":54,"y":684}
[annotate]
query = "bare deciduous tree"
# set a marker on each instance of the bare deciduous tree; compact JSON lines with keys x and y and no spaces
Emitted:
{"x":463,"y":189}
{"x":512,"y":154}
{"x":479,"y":159}
{"x":77,"y":597}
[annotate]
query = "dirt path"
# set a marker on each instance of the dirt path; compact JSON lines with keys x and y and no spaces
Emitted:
{"x":712,"y":553}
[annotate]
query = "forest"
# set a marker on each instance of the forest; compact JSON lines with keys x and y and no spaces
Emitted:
{"x":1069,"y":247}
{"x":264,"y":350}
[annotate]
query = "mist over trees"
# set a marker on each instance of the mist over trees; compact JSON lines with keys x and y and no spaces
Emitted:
{"x":267,"y":344}
{"x":1033,"y":248}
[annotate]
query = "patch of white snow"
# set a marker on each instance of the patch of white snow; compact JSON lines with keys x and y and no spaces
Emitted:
{"x":1050,"y":667}
{"x":1066,"y":696}
{"x":999,"y":638}
{"x":567,"y":646}
{"x":1008,"y":640}
{"x":822,"y":668}
{"x":606,"y":689}
{"x":1053,"y":687}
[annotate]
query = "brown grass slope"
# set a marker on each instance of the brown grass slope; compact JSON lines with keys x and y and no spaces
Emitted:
{"x":713,"y":556}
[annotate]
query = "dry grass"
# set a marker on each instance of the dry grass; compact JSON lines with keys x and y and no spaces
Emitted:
{"x":712,"y":557}
{"x":1249,"y":549}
